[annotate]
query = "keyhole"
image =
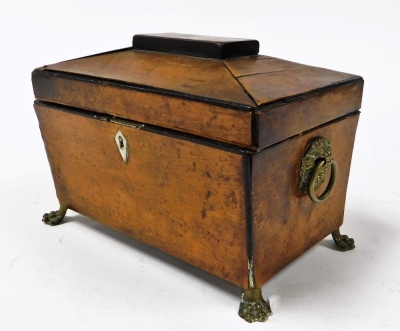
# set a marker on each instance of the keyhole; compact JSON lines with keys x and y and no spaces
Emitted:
{"x":121,"y":142}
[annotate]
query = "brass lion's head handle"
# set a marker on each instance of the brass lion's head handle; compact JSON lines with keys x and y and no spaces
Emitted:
{"x":315,"y":163}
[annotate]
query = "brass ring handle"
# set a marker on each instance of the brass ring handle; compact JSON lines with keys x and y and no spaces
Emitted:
{"x":332,"y":180}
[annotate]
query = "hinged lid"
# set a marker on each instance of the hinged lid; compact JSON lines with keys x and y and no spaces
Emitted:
{"x":222,"y":91}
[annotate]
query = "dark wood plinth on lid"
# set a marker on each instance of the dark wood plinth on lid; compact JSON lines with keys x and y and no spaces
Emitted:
{"x":195,"y":145}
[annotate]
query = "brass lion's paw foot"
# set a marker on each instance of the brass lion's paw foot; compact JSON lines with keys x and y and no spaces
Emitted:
{"x":55,"y":217}
{"x":253,"y":307}
{"x":342,"y":241}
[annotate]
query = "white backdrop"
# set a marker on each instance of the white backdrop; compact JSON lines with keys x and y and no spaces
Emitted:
{"x":83,"y":276}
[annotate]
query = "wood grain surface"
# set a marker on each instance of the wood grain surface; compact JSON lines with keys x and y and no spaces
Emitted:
{"x":299,"y":115}
{"x":183,"y":198}
{"x":269,"y":79}
{"x":286,"y":222}
{"x":276,"y":85}
{"x":202,"y":119}
{"x":250,"y":101}
{"x":259,"y":64}
{"x":195,"y":45}
{"x":208,"y":78}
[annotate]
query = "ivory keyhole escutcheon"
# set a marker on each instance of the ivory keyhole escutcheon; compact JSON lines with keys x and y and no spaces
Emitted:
{"x":122,"y":145}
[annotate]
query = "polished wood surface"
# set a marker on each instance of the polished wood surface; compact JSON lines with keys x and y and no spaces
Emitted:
{"x":270,"y":79}
{"x":256,"y":64}
{"x":287,"y":119}
{"x":202,"y":119}
{"x":184,"y":198}
{"x":250,"y":101}
{"x":195,"y":45}
{"x":272,"y":86}
{"x":207,"y":78}
{"x":286,"y":222}
{"x":210,"y":204}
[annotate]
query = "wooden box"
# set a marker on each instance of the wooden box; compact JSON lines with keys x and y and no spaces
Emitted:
{"x":234,"y":162}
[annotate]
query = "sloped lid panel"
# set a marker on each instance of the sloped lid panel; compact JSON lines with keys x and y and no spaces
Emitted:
{"x":269,"y":79}
{"x":191,"y":76}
